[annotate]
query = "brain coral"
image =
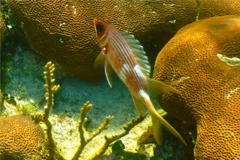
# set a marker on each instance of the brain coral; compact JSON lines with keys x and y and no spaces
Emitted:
{"x":21,"y":138}
{"x":210,"y":88}
{"x":63,"y":31}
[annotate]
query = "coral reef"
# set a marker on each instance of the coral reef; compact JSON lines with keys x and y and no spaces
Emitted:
{"x":27,"y":141}
{"x":210,"y":87}
{"x":24,"y":90}
{"x":63,"y":31}
{"x":210,"y":8}
{"x":21,"y":138}
{"x":84,"y":137}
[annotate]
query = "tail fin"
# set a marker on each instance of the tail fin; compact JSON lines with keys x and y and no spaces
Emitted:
{"x":156,"y":117}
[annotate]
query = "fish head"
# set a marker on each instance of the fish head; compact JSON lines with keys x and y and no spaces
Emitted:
{"x":102,"y":29}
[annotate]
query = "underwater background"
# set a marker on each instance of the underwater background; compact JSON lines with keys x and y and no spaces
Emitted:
{"x":22,"y":87}
{"x":22,"y":76}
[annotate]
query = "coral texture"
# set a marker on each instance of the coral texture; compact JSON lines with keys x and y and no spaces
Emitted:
{"x":2,"y":28}
{"x":62,"y":30}
{"x":210,"y":88}
{"x":210,"y":8}
{"x":21,"y":138}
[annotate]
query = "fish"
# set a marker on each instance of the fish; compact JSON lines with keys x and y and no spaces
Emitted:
{"x":123,"y":54}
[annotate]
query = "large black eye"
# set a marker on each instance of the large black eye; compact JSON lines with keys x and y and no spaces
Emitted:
{"x":99,"y":28}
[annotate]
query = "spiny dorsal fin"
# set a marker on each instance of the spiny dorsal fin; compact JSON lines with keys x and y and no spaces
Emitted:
{"x":138,"y":52}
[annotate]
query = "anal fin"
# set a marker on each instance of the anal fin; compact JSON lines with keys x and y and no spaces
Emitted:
{"x":139,"y":105}
{"x":157,"y":130}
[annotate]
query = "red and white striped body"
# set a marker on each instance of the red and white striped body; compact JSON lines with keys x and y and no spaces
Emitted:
{"x":124,"y":54}
{"x":124,"y":64}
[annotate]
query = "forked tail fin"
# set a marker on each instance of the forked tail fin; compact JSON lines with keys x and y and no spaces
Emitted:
{"x":155,"y":116}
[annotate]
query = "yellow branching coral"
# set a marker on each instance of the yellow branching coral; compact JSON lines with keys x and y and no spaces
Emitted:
{"x":111,"y":138}
{"x":84,"y":141}
{"x":54,"y":151}
{"x":51,"y":89}
{"x":108,"y":138}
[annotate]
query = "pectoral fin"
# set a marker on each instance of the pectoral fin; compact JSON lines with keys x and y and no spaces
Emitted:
{"x":157,"y":88}
{"x":99,"y":61}
{"x":109,"y":73}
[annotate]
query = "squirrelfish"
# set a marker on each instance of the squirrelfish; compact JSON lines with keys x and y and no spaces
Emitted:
{"x":122,"y":53}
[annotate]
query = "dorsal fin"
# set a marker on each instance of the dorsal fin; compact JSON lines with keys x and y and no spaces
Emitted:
{"x":138,"y":52}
